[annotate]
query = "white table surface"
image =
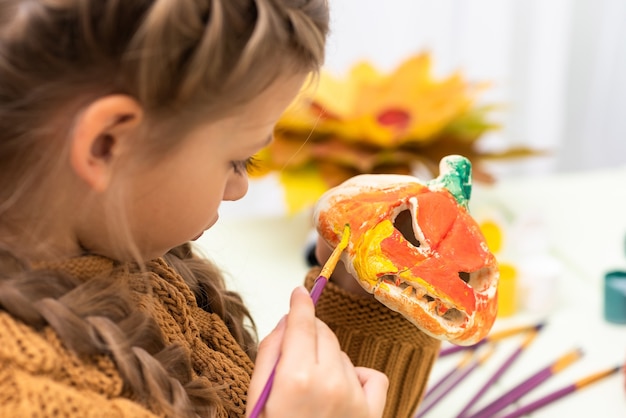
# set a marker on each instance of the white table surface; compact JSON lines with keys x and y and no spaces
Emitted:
{"x":585,"y":220}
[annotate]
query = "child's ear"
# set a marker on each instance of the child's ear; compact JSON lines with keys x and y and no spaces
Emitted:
{"x":102,"y":131}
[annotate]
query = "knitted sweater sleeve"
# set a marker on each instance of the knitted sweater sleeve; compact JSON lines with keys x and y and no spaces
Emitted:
{"x":374,"y":336}
{"x":23,"y":394}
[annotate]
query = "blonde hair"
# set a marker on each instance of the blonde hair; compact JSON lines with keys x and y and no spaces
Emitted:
{"x":181,"y":60}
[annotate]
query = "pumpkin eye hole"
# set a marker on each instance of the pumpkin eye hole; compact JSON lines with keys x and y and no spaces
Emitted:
{"x":478,"y":280}
{"x":465,"y":276}
{"x":404,"y":224}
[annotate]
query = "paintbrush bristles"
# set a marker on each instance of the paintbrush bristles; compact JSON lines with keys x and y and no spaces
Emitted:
{"x":331,"y":263}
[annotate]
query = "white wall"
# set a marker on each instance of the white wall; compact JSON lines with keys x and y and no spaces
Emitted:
{"x":595,"y":133}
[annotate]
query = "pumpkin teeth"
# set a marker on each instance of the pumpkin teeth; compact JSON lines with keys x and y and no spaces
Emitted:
{"x":408,"y":291}
{"x":419,"y":295}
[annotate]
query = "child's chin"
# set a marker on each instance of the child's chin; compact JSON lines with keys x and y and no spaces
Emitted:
{"x":206,"y":228}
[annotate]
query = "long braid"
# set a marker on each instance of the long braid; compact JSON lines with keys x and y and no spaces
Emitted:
{"x":98,"y":318}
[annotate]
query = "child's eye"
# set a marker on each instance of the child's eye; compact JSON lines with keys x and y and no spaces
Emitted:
{"x":246,"y":166}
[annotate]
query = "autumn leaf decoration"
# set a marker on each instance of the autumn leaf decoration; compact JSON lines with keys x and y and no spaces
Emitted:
{"x":377,"y":123}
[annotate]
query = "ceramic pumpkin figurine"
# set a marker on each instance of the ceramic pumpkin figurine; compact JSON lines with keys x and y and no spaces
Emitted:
{"x":416,"y":248}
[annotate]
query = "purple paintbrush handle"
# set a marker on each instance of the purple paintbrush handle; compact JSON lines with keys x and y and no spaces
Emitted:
{"x":458,"y":379}
{"x":514,"y":394}
{"x":491,"y":381}
{"x":527,"y":409}
{"x":318,"y":286}
{"x":260,"y":403}
{"x":430,"y":391}
{"x":456,"y":348}
{"x":316,"y":292}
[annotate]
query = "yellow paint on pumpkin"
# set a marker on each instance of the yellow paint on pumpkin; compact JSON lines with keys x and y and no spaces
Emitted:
{"x":369,"y":256}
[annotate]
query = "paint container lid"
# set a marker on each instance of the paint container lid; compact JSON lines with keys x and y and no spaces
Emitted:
{"x":615,"y":297}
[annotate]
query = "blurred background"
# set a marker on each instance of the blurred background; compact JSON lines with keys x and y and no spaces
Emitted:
{"x":559,"y":66}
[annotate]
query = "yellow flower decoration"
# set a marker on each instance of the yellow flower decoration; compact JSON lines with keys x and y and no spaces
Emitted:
{"x":372,"y":122}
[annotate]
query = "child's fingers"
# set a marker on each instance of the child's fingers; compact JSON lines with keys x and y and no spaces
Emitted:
{"x":308,"y":343}
{"x":313,"y":377}
{"x":300,"y":331}
{"x":375,"y":385}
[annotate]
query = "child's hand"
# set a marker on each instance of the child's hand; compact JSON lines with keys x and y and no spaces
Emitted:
{"x":314,"y":378}
{"x":340,"y":275}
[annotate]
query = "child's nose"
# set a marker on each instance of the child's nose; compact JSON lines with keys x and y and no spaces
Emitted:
{"x":236,"y":188}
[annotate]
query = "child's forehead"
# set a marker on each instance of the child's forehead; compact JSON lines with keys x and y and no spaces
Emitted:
{"x":266,"y":107}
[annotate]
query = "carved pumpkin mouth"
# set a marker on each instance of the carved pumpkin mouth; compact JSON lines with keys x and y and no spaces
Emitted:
{"x":440,"y":308}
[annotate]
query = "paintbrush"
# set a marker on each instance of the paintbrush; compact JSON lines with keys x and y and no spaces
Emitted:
{"x":458,"y":378}
{"x":529,"y":384}
{"x":558,"y":394}
{"x":496,"y":336}
{"x":504,"y":367}
{"x":329,"y":266}
{"x":316,"y":291}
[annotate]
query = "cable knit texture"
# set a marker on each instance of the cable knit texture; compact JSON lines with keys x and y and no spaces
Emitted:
{"x":374,"y":336}
{"x":40,"y":377}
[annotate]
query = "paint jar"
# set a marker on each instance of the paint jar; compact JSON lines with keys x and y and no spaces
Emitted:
{"x":507,"y":290}
{"x":538,"y":283}
{"x":615,"y":297}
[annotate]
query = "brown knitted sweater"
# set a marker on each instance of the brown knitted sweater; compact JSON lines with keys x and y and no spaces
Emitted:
{"x":39,"y":377}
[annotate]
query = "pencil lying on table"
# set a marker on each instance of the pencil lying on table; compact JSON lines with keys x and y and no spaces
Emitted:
{"x":558,"y":394}
{"x":496,"y":336}
{"x":529,"y":384}
{"x":316,"y":291}
{"x":503,"y":368}
{"x":458,"y":378}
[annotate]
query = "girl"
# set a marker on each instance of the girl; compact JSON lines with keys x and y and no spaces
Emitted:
{"x":123,"y":125}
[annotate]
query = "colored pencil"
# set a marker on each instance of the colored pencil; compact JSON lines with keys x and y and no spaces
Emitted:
{"x":315,"y":293}
{"x":496,"y":336}
{"x":558,"y":394}
{"x":458,"y":378}
{"x":529,"y":384}
{"x":500,"y":371}
{"x":465,"y":360}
